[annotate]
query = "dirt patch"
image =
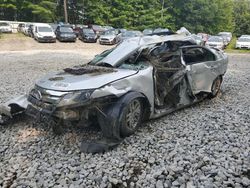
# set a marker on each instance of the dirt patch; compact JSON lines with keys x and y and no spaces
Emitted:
{"x":20,"y":42}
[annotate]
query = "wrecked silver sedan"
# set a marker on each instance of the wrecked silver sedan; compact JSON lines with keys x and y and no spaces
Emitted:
{"x":141,"y":78}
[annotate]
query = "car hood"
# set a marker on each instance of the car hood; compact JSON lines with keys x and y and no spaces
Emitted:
{"x":71,"y":81}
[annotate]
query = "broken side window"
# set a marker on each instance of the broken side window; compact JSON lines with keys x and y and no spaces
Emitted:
{"x":194,"y":55}
{"x":169,"y":72}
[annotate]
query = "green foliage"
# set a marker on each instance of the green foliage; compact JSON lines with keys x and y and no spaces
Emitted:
{"x":196,"y":15}
{"x":242,"y":17}
{"x":24,"y":10}
{"x":131,"y":14}
{"x":204,"y":16}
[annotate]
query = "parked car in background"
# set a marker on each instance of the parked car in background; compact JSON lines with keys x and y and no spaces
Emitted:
{"x":216,"y":42}
{"x":5,"y":27}
{"x":31,"y":30}
{"x":110,"y":37}
{"x":130,"y":34}
{"x":77,"y":29}
{"x":53,"y":26}
{"x":97,"y":29}
{"x":160,"y":30}
{"x":65,"y":33}
{"x":87,"y":35}
{"x":25,"y":29}
{"x":204,"y":36}
{"x":20,"y":27}
{"x":147,"y":31}
{"x":44,"y":33}
{"x":227,"y":35}
{"x":243,"y":43}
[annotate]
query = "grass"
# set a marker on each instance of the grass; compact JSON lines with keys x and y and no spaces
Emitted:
{"x":231,"y":47}
{"x":4,"y":36}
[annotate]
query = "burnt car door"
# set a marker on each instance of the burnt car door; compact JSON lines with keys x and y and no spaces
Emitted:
{"x":201,"y":66}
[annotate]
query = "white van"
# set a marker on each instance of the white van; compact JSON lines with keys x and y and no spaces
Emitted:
{"x":44,"y":33}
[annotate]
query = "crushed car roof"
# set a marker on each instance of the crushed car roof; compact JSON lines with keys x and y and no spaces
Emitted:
{"x":130,"y":45}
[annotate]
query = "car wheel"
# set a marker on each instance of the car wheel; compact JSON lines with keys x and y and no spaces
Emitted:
{"x":132,"y":116}
{"x":216,"y":87}
{"x":57,"y":126}
{"x":4,"y":119}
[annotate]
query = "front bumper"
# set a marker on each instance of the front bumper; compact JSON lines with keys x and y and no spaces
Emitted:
{"x":102,"y":41}
{"x":67,"y":39}
{"x":46,"y":39}
{"x":243,"y":47}
{"x":38,"y":107}
{"x":89,"y":39}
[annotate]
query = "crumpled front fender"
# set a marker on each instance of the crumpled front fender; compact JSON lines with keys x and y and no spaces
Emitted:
{"x":14,"y":106}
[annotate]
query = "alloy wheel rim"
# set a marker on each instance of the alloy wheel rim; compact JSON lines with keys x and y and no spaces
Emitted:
{"x":133,"y":114}
{"x":216,"y":86}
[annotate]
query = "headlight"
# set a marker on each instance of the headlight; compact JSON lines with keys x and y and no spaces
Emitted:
{"x":75,"y":98}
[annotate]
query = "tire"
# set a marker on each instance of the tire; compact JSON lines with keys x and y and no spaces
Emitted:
{"x":132,"y":116}
{"x":112,"y":118}
{"x":4,"y":119}
{"x":57,"y":127}
{"x":215,"y":87}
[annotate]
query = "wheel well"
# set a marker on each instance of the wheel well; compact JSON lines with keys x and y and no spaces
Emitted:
{"x":145,"y":102}
{"x":15,"y":108}
{"x":146,"y":108}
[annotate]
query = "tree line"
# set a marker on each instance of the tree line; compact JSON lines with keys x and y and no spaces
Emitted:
{"x":196,"y":15}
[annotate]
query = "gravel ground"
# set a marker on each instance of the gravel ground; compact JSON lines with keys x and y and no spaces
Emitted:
{"x":206,"y":145}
